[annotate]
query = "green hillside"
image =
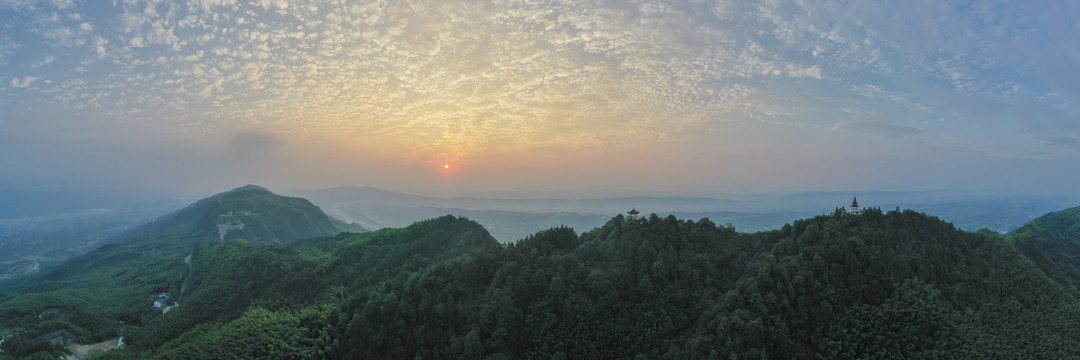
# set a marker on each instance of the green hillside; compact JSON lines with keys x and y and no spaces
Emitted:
{"x":264,"y":216}
{"x":99,"y":294}
{"x":250,"y":212}
{"x":229,"y":277}
{"x":893,"y":285}
{"x":1052,"y":242}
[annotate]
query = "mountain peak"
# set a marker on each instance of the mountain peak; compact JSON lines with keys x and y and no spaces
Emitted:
{"x":250,"y":187}
{"x":251,"y":212}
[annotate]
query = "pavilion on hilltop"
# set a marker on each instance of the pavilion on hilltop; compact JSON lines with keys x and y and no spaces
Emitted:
{"x":854,"y":206}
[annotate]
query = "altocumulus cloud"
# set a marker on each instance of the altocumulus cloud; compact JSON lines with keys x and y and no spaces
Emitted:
{"x":454,"y":76}
{"x":452,"y":79}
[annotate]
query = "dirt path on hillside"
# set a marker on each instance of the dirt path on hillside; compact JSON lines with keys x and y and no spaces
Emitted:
{"x":187,"y":260}
{"x":84,"y":351}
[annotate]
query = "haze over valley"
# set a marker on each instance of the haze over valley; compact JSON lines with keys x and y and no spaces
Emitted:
{"x":46,"y":228}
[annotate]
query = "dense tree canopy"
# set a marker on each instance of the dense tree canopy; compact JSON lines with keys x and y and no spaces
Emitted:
{"x":875,"y":285}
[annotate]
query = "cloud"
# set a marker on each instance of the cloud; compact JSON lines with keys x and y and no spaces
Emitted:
{"x":810,"y":72}
{"x":136,"y":42}
{"x":25,"y":82}
{"x":62,"y":4}
{"x":6,"y":46}
{"x":63,"y":36}
{"x":100,"y":48}
{"x":161,"y":35}
{"x":209,"y":5}
{"x":44,"y":61}
{"x":458,"y":79}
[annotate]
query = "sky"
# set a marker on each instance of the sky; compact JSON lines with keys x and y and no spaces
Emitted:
{"x":544,"y":97}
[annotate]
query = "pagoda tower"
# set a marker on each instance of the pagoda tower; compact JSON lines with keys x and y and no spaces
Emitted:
{"x":854,"y":206}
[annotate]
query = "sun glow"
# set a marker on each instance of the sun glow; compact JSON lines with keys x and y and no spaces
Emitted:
{"x":447,"y":166}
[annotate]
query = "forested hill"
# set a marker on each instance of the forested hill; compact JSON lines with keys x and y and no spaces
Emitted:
{"x":875,"y":285}
{"x":97,"y":294}
{"x":250,"y":212}
{"x":224,"y":279}
{"x":1053,"y":244}
{"x":229,"y":277}
{"x":896,"y":285}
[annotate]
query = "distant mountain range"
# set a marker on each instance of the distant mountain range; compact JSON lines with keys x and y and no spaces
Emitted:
{"x":513,"y":219}
{"x":40,"y":229}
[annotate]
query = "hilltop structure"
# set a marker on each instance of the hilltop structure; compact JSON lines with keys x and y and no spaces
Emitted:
{"x":632,"y":214}
{"x":854,"y":207}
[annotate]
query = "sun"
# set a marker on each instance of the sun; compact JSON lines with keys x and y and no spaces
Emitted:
{"x":447,"y":166}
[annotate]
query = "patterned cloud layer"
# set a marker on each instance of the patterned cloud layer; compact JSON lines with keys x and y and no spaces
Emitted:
{"x":460,"y":79}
